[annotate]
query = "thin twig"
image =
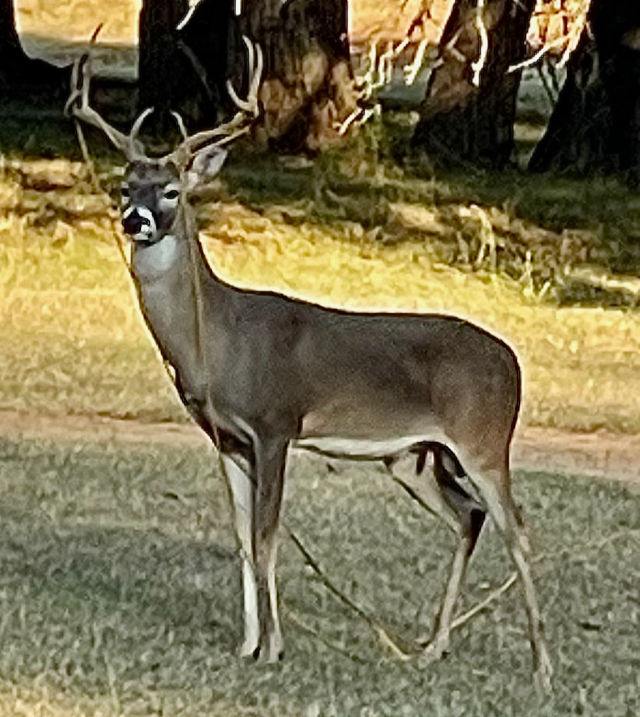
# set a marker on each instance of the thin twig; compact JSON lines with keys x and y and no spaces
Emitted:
{"x":479,"y":64}
{"x":295,"y":619}
{"x":493,"y":595}
{"x":538,"y":55}
{"x":392,"y":644}
{"x":95,"y":181}
{"x":382,"y":634}
{"x":87,"y":158}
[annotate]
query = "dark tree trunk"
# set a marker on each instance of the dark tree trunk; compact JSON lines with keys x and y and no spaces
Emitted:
{"x":595,"y":125}
{"x":207,"y":41}
{"x":183,"y":65}
{"x":10,"y":47}
{"x":308,"y":86}
{"x":616,"y":27}
{"x":578,"y":135}
{"x":461,"y":123}
{"x":161,"y":65}
{"x":17,"y":69}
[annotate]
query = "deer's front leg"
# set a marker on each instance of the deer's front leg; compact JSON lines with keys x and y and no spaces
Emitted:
{"x":237,"y":472}
{"x":270,"y":459}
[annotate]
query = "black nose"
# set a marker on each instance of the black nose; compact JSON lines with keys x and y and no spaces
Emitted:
{"x":133,"y":223}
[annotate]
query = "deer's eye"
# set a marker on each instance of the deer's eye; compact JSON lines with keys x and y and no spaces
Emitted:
{"x":124,"y":192}
{"x":171,"y":194}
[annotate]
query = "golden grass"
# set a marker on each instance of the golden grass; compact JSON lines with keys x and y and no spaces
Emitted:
{"x":74,"y":340}
{"x":75,"y":21}
{"x":581,"y":366}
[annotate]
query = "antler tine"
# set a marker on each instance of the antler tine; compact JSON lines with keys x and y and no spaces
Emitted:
{"x":256,"y":78}
{"x":255,"y":64}
{"x":79,"y":106}
{"x":132,"y":139}
{"x":183,"y":130}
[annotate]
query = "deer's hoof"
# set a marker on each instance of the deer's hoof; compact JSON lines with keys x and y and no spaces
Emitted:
{"x":247,"y":649}
{"x":269,"y":655}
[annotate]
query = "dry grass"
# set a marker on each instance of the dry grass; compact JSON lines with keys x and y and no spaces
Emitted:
{"x":74,"y":341}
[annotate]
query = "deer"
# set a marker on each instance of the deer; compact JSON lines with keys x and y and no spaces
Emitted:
{"x":262,"y":373}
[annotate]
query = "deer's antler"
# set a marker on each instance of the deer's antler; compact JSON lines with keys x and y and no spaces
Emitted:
{"x":78,"y":106}
{"x":238,"y":125}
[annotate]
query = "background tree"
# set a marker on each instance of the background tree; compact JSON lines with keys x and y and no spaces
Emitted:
{"x":469,"y":109}
{"x":16,"y":67}
{"x":308,"y":86}
{"x":595,"y":124}
{"x":161,"y":65}
{"x":183,"y":65}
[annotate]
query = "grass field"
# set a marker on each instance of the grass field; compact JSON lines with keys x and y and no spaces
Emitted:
{"x":494,"y":250}
{"x":119,"y":593}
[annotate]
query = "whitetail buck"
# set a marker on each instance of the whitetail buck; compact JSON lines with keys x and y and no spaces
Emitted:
{"x":260,"y":372}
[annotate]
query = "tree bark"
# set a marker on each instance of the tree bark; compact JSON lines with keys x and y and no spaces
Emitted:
{"x":17,"y":69}
{"x":578,"y":135}
{"x":595,"y":125}
{"x":468,"y":114}
{"x":616,"y":28}
{"x":183,"y":66}
{"x":10,"y":47}
{"x":308,"y":82}
{"x":208,"y":41}
{"x":161,"y":66}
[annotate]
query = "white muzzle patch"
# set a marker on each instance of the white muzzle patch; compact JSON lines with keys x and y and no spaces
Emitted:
{"x":148,"y":227}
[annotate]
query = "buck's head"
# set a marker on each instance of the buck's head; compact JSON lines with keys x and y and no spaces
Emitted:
{"x":154,"y":192}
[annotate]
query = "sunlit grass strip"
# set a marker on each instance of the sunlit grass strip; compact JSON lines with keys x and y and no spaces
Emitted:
{"x":74,"y":340}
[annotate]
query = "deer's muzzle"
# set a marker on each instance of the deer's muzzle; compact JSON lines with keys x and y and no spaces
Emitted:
{"x":139,"y":223}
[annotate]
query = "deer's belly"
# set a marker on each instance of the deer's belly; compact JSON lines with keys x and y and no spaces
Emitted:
{"x":364,"y":448}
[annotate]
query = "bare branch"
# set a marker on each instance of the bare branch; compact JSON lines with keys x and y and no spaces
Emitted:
{"x":479,"y":64}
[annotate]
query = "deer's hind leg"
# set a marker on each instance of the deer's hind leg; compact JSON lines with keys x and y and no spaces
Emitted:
{"x":494,"y":487}
{"x":438,"y":490}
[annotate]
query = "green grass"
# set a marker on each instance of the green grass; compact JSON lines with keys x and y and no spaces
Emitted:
{"x":120,"y":593}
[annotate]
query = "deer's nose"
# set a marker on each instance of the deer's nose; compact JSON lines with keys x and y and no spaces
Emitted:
{"x":135,"y":222}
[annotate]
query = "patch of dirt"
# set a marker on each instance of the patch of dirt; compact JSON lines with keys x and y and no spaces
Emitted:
{"x":600,"y":455}
{"x":611,"y":456}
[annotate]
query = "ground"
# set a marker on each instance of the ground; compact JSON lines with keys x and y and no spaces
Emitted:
{"x":599,"y":454}
{"x":119,"y":589}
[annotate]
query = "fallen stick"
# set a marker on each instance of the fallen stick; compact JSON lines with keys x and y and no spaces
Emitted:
{"x":383,"y":635}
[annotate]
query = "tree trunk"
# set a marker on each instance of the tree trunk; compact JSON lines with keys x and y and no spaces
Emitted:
{"x":308,"y":82}
{"x":595,"y":125}
{"x":616,"y":27}
{"x":17,"y":69}
{"x":578,"y":135}
{"x":468,"y":113}
{"x":10,"y":47}
{"x":183,"y":65}
{"x":208,"y":40}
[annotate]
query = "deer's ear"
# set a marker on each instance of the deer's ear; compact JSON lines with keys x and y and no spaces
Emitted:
{"x":205,"y":167}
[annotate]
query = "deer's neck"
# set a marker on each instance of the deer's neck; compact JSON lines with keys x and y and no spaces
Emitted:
{"x":172,"y":280}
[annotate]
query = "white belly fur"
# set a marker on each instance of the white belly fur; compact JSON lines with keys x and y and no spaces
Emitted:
{"x":362,"y":448}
